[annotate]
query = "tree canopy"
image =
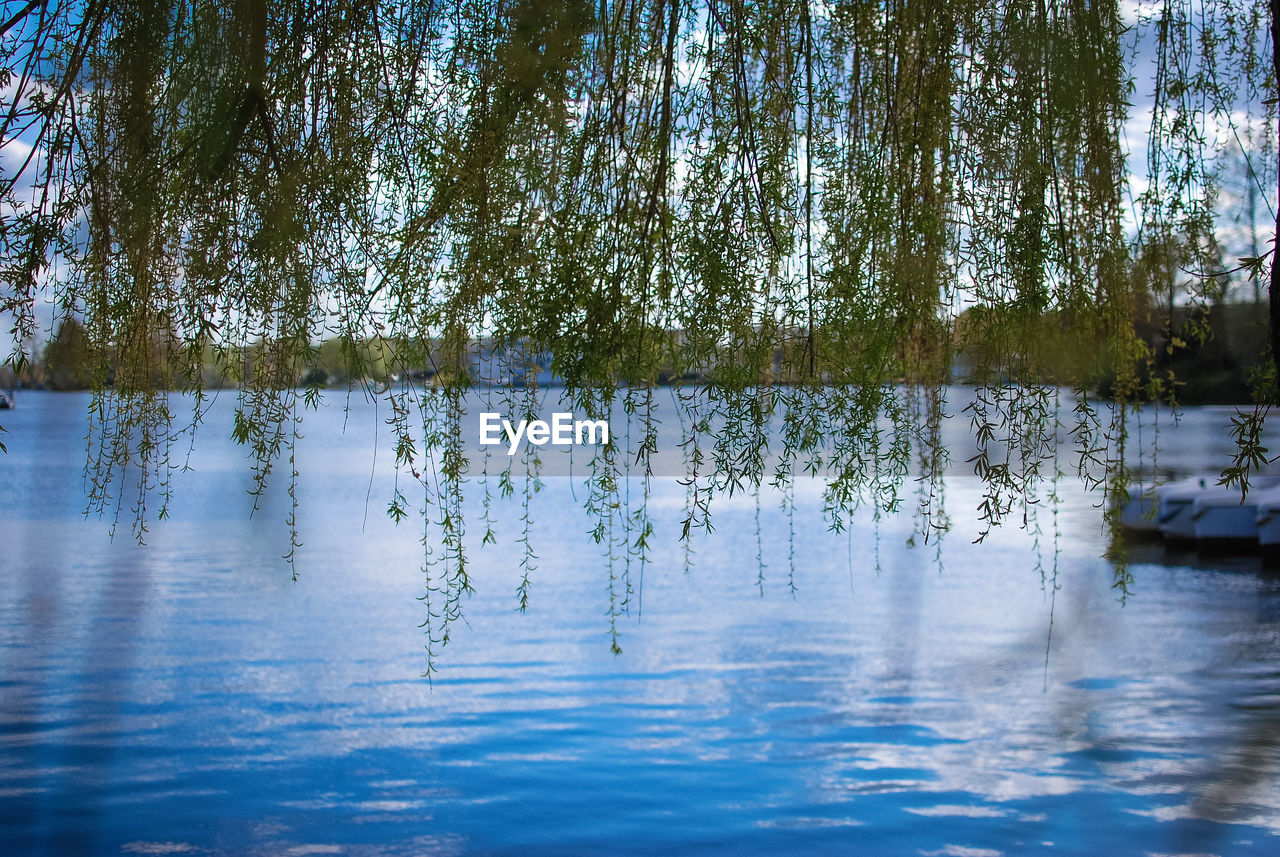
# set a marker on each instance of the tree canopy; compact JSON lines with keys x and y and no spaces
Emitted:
{"x":815,"y":206}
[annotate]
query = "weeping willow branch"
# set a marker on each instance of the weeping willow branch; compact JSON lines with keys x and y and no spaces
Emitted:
{"x":814,"y":208}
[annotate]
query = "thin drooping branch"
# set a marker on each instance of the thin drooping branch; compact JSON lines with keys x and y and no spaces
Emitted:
{"x":1273,"y":290}
{"x":20,"y":14}
{"x":224,"y":190}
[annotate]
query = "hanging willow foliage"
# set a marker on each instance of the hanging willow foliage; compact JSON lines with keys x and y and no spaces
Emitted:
{"x":816,"y":205}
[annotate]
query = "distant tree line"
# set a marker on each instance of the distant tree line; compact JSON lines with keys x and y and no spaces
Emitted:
{"x":1200,"y":354}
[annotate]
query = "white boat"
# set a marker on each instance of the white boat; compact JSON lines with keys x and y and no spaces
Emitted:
{"x":1141,"y":512}
{"x":1222,"y":520}
{"x":1268,"y":522}
{"x":1138,"y":514}
{"x":1174,"y":505}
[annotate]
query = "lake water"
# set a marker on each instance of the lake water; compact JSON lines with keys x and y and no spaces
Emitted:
{"x":854,"y":696}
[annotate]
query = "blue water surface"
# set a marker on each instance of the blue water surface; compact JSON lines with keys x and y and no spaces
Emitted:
{"x":852,"y":695}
